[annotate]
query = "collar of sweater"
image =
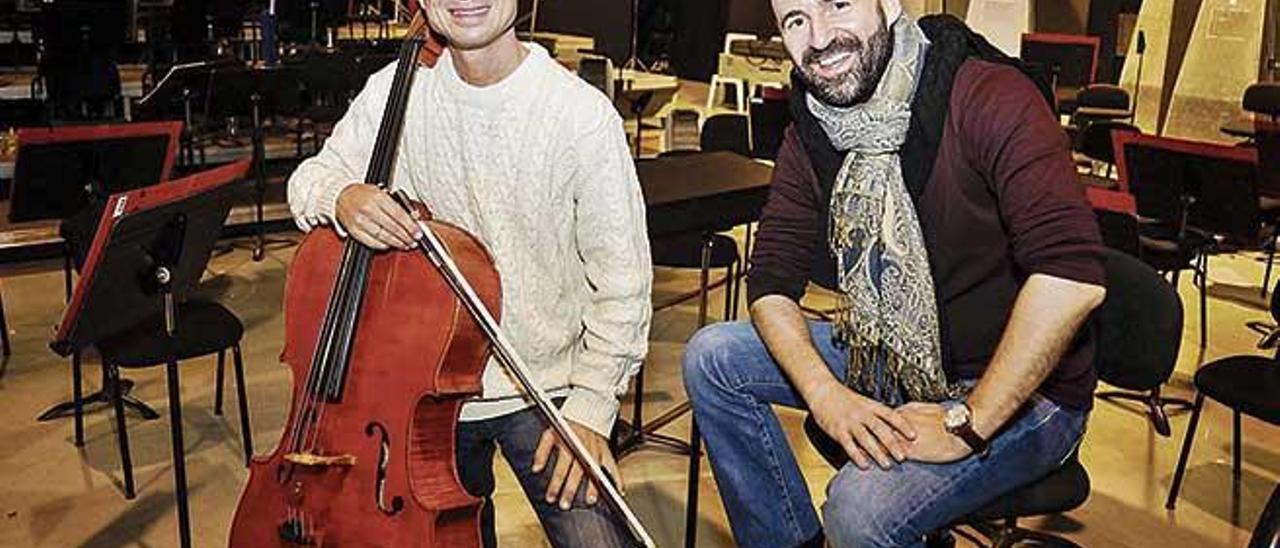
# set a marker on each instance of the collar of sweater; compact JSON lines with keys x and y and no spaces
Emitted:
{"x":497,"y":94}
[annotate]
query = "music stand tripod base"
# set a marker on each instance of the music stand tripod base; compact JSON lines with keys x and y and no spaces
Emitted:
{"x":100,"y":400}
{"x":628,"y":438}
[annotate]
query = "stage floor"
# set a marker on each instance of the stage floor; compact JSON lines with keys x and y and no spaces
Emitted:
{"x":54,"y":494}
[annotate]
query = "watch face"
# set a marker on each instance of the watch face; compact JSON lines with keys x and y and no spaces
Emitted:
{"x":956,"y":416}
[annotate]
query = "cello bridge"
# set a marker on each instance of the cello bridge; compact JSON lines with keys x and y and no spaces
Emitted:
{"x":312,"y":459}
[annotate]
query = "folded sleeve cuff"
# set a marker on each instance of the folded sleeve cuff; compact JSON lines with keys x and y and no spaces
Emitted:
{"x":591,"y":409}
{"x":761,"y":283}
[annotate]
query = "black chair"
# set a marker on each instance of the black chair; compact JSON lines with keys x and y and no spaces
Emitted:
{"x":598,"y":71}
{"x":1262,"y":98}
{"x":328,"y":84}
{"x":1138,"y":345}
{"x":1117,"y":218}
{"x":731,"y":132}
{"x":1137,"y":305}
{"x":1193,"y":199}
{"x":204,"y":328}
{"x":1267,"y":533}
{"x":1267,"y":143}
{"x":769,"y":121}
{"x":1095,"y":144}
{"x":1248,"y":384}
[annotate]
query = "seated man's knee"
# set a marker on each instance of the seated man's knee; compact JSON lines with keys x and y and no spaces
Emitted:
{"x":706,"y":354}
{"x":855,"y":517}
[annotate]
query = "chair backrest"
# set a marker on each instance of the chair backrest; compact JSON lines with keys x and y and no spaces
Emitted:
{"x":726,"y":132}
{"x":1139,"y":325}
{"x":1268,"y":145}
{"x":1070,"y":59}
{"x":1095,"y":141}
{"x":1103,"y":96}
{"x":1262,"y":98}
{"x":682,"y":130}
{"x":769,"y":120}
{"x":598,"y":72}
{"x":1214,"y":187}
{"x":1116,"y":213}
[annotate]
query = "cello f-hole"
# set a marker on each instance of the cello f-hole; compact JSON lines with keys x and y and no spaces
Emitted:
{"x":384,"y":458}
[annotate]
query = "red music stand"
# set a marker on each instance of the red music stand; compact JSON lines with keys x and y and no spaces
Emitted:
{"x":149,"y":253}
{"x":60,"y":173}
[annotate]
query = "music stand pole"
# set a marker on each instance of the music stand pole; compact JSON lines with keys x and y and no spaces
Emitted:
{"x":259,"y":178}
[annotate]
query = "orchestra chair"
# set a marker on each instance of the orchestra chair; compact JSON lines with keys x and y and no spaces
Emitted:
{"x":1267,"y":533}
{"x":770,"y":117}
{"x":598,"y":71}
{"x":1267,"y":143}
{"x":1137,"y":303}
{"x":204,"y":328}
{"x":1262,"y":98}
{"x":1069,"y":61}
{"x":705,"y":252}
{"x":1247,"y":384}
{"x":683,"y":130}
{"x":1194,"y":198}
{"x":327,"y":85}
{"x":719,"y":82}
{"x":1139,"y":337}
{"x":1094,"y":143}
{"x":4,"y":328}
{"x":1117,"y":215}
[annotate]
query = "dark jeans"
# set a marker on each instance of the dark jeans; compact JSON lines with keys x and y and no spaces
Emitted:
{"x":517,"y":435}
{"x":733,"y":382}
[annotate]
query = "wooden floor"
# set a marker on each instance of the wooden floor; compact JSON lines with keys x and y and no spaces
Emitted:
{"x":53,"y":494}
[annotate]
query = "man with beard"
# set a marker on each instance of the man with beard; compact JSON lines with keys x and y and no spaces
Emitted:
{"x":501,"y":140}
{"x":926,"y":181}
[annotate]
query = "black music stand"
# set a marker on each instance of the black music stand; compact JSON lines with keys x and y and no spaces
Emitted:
{"x":150,"y":250}
{"x":257,"y":92}
{"x":64,"y":173}
{"x":180,"y":95}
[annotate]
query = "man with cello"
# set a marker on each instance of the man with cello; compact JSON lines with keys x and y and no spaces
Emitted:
{"x":502,"y":141}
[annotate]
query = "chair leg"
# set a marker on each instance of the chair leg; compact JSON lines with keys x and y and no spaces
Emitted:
{"x":1204,"y":311}
{"x":243,"y":399}
{"x":4,"y":328}
{"x":66,"y":270}
{"x":179,"y":455}
{"x":122,"y":432}
{"x":1271,"y":258}
{"x":1186,"y":452}
{"x":704,"y":274}
{"x":217,"y":383}
{"x":1235,"y":445}
{"x":77,"y":398}
{"x":695,"y":465}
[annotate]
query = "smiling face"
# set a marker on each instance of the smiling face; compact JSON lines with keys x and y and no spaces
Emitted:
{"x":471,"y":24}
{"x":841,"y":47}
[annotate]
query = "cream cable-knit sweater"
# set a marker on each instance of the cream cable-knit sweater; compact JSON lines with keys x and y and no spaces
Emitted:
{"x":537,"y":167}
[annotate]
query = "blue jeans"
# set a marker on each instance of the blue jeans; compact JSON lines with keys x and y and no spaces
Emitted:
{"x":517,"y":435}
{"x":732,"y":380}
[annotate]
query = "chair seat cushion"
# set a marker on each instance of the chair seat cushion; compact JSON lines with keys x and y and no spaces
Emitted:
{"x":203,"y":328}
{"x":1062,"y":490}
{"x":686,"y":251}
{"x":1249,"y":384}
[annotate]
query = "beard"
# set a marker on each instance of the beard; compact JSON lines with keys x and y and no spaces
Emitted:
{"x":857,"y":84}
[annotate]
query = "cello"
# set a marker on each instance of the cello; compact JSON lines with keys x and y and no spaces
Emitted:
{"x":383,"y":361}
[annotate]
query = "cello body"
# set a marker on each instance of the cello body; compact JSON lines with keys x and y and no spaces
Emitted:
{"x":379,"y":467}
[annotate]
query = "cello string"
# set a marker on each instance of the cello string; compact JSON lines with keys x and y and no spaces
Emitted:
{"x":339,"y":350}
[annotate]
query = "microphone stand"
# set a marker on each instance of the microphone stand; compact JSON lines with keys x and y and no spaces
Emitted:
{"x":1137,"y":82}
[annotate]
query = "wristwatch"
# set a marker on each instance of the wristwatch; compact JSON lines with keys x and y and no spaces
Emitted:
{"x":959,"y":422}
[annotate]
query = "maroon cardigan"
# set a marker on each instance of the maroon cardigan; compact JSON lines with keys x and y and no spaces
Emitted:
{"x":1002,"y":203}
